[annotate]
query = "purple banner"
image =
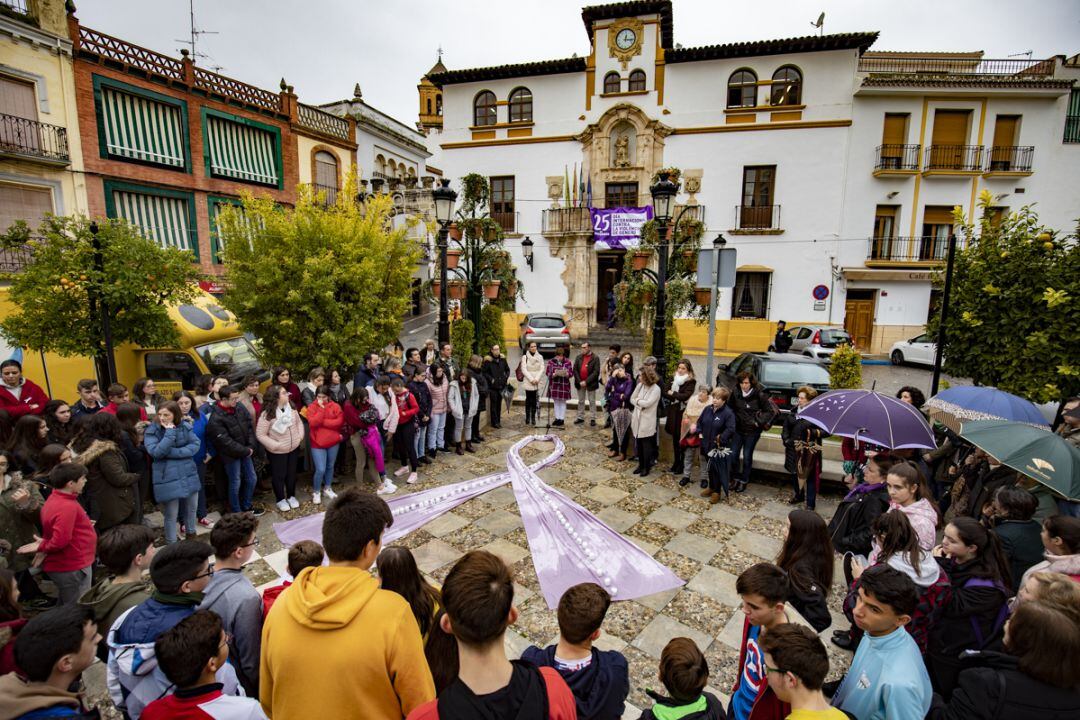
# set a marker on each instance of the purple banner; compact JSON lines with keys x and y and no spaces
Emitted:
{"x":618,"y":228}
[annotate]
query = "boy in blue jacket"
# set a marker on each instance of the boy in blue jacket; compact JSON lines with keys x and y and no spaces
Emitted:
{"x":717,"y":429}
{"x":600,"y":680}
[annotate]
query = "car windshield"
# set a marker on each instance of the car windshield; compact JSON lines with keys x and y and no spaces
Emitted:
{"x":835,"y":336}
{"x":791,"y":374}
{"x":545,"y":323}
{"x":234,"y":358}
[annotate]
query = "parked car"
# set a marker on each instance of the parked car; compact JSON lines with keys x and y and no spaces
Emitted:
{"x":547,"y":330}
{"x":817,"y":341}
{"x":781,"y":374}
{"x":919,"y":350}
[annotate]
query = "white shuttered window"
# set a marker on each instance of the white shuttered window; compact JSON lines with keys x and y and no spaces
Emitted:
{"x":162,"y":219}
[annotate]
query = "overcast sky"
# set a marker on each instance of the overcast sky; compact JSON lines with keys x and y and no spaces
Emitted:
{"x":324,"y":47}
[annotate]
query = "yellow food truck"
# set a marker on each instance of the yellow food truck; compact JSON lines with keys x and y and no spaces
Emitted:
{"x":211,"y":342}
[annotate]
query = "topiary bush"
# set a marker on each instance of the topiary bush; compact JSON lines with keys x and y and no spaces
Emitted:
{"x":491,"y":328}
{"x":845,"y":371}
{"x":461,"y":337}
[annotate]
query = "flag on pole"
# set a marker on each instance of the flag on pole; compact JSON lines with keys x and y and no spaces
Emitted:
{"x":574,"y":177}
{"x":588,"y":193}
{"x":566,"y":185}
{"x":581,"y":185}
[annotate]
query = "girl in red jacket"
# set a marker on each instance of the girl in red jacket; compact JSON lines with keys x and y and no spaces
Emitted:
{"x":326,"y":420}
{"x":19,"y":396}
{"x":405,"y":435}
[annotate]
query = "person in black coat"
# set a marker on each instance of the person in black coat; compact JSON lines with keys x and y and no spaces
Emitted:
{"x":803,"y":451}
{"x":1036,"y":678}
{"x":682,"y":388}
{"x":754,"y":413}
{"x":1020,"y":536}
{"x":420,"y":391}
{"x":232,"y":432}
{"x":783,"y":340}
{"x":497,"y":372}
{"x":716,"y":426}
{"x":851,"y":526}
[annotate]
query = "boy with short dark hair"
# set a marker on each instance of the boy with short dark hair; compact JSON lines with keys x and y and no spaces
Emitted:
{"x":304,"y":554}
{"x":600,"y":680}
{"x":126,"y":551}
{"x":118,"y":394}
{"x":190,"y":654}
{"x":764,"y":589}
{"x":89,"y":401}
{"x":478,"y":599}
{"x":887,"y":679}
{"x":51,"y":651}
{"x":796,"y":663}
{"x":232,"y":596}
{"x":684,"y":673}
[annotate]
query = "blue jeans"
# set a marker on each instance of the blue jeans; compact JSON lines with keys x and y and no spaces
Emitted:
{"x":240,"y":490}
{"x":172,"y":509}
{"x":436,"y":432}
{"x":200,"y":509}
{"x":744,"y":444}
{"x":420,"y":443}
{"x":323,"y":458}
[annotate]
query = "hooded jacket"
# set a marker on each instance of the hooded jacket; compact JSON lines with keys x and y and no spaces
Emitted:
{"x":1067,"y":564}
{"x":419,"y":390}
{"x":992,"y":685}
{"x":923,"y":518}
{"x":850,"y":525}
{"x":706,"y":707}
{"x":600,"y":688}
{"x":109,"y":494}
{"x":29,"y":394}
{"x":173,"y":451}
{"x":1021,"y":541}
{"x":310,"y":657}
{"x":232,"y":596}
{"x":109,"y":600}
{"x":887,"y":679}
{"x":68,"y":539}
{"x":19,"y":697}
{"x":205,"y":702}
{"x":134,"y":678}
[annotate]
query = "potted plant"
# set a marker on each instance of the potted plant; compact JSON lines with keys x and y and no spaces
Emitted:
{"x":457,"y":289}
{"x":453,"y":257}
{"x":436,"y":288}
{"x":690,"y":258}
{"x":641,"y":259}
{"x":491,"y":289}
{"x":455,"y":232}
{"x":703,"y":296}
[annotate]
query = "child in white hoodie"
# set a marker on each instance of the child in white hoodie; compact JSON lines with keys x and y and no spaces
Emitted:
{"x":908,"y":494}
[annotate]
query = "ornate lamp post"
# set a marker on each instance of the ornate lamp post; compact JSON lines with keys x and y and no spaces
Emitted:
{"x":444,"y":198}
{"x":663,"y":196}
{"x":527,"y":251}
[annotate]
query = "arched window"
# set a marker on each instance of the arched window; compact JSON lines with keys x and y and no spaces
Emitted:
{"x":742,"y":89}
{"x":786,"y":86}
{"x":429,"y":106}
{"x":484,"y":109}
{"x":326,"y":174}
{"x":521,"y":102}
{"x":637,"y":81}
{"x":438,"y":104}
{"x":612,"y":83}
{"x":380,"y":166}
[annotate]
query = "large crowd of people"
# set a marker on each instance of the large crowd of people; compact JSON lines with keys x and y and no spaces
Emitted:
{"x":961,"y":578}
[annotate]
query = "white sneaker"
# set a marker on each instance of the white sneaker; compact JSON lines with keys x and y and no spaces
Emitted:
{"x":293,"y":503}
{"x":283,"y":505}
{"x":412,"y":479}
{"x":316,"y":498}
{"x":329,"y":492}
{"x":387,"y":488}
{"x":401,"y":471}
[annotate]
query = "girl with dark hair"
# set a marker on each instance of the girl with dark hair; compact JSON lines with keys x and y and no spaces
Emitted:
{"x":362,"y":418}
{"x":111,"y":487}
{"x":325,"y":419}
{"x":617,"y":392}
{"x":11,"y":620}
{"x":134,"y":425}
{"x":20,"y":508}
{"x":144,"y":394}
{"x":19,"y":396}
{"x":279,"y":430}
{"x":912,"y":396}
{"x":1061,"y":540}
{"x":281,"y":376}
{"x":171,"y":442}
{"x":190,"y":410}
{"x":627,"y":361}
{"x":909,"y":494}
{"x":754,"y":413}
{"x":58,"y":418}
{"x":975,"y":613}
{"x":28,"y":439}
{"x":807,"y":558}
{"x":419,"y":389}
{"x":52,"y":455}
{"x":438,"y":388}
{"x":463,"y":402}
{"x":1020,"y":535}
{"x":202,"y":390}
{"x":398,"y":573}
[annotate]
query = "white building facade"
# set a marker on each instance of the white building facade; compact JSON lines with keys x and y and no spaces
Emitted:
{"x":823,"y":163}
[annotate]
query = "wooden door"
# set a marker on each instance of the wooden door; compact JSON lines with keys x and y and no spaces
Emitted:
{"x":1003,"y":149}
{"x":859,"y":321}
{"x":949,"y":138}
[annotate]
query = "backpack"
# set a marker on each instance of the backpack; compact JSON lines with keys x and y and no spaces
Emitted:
{"x":999,"y":621}
{"x":931,"y":602}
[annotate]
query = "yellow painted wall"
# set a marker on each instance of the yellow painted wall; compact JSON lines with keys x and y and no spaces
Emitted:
{"x":731,"y":335}
{"x":304,"y":146}
{"x":512,"y":327}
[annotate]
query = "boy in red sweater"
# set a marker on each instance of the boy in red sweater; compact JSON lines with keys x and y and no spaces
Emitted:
{"x":68,"y":541}
{"x":304,"y":554}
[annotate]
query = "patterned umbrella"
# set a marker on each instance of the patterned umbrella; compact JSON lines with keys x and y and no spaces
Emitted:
{"x":968,"y":402}
{"x":1038,"y":453}
{"x":870,"y":416}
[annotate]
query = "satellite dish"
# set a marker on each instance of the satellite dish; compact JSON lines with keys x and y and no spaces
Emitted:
{"x":820,"y":23}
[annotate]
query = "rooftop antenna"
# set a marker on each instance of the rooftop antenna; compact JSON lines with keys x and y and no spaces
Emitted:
{"x":819,"y":24}
{"x":1026,"y":53}
{"x":195,"y":33}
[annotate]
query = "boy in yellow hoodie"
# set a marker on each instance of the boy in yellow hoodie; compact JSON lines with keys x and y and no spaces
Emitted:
{"x":336,"y":644}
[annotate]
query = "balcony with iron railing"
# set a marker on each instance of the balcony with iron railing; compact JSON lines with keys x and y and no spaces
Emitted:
{"x":757,"y":220}
{"x":953,"y":160}
{"x":508,"y":221}
{"x":897,"y":160}
{"x":566,"y":221}
{"x":33,"y":140}
{"x":916,"y":251}
{"x":957,"y":66}
{"x":15,"y":259}
{"x":1010,"y":161}
{"x":330,"y":192}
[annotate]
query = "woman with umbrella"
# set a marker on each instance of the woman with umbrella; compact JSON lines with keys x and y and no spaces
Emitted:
{"x":717,"y":429}
{"x":617,"y":392}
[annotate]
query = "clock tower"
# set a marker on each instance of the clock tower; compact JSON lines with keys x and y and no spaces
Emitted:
{"x":628,"y":44}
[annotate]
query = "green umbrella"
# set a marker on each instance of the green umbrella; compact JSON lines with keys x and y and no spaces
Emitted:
{"x":1039,"y":454}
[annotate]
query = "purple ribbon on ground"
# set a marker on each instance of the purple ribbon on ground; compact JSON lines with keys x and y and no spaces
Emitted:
{"x":569,"y":544}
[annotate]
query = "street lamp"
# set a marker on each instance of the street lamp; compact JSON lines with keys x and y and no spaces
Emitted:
{"x":663,"y":196}
{"x":444,"y":198}
{"x":527,"y":251}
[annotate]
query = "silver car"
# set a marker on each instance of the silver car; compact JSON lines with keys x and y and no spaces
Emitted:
{"x":547,"y":330}
{"x":818,"y":341}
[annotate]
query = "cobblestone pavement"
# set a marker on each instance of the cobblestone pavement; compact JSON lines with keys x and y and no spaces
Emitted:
{"x":706,"y":545}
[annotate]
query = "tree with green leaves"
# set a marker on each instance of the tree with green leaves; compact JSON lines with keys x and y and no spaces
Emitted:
{"x":320,"y":283}
{"x":1014,"y":306}
{"x":59,"y":294}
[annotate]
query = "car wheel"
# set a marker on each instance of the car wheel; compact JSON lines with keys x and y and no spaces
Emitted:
{"x":897,"y":357}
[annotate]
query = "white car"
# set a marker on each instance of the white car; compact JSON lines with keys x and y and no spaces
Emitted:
{"x":919,"y":350}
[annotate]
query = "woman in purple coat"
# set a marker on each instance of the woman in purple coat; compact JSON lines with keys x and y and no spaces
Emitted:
{"x":617,"y":392}
{"x":559,"y":370}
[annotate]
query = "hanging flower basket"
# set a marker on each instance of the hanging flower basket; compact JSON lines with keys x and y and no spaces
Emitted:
{"x":491,"y":232}
{"x":512,"y":288}
{"x":455,"y":232}
{"x":452,"y":259}
{"x":647,"y":296}
{"x":491,"y":289}
{"x":640,"y":260}
{"x":457,"y":289}
{"x":703,"y":296}
{"x":436,"y":288}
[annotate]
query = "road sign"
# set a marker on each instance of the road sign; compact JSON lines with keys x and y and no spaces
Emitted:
{"x":728,"y":260}
{"x":821,"y":292}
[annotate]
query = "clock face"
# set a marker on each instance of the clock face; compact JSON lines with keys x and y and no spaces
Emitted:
{"x":625,"y":39}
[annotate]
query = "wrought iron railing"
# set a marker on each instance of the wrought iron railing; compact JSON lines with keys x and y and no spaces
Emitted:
{"x":757,"y":217}
{"x":330,"y":190}
{"x":17,"y":6}
{"x":897,"y":157}
{"x":30,"y":138}
{"x":1072,"y":129}
{"x":14,"y":259}
{"x":1008,"y":67}
{"x":966,"y":158}
{"x":558,"y":221}
{"x":321,"y":121}
{"x":1016,"y":158}
{"x":924,"y":248}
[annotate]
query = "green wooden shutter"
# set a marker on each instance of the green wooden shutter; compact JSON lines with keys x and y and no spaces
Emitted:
{"x":1072,"y":118}
{"x":162,"y":219}
{"x":139,"y":128}
{"x":241,"y":152}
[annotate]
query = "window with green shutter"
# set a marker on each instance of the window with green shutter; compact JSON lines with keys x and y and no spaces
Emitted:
{"x":241,"y":149}
{"x":165,"y":216}
{"x":1072,"y":118}
{"x":139,"y":125}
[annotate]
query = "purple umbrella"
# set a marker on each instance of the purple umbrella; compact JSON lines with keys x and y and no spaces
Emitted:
{"x":870,"y":416}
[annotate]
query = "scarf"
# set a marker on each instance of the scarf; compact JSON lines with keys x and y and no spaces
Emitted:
{"x":284,"y":419}
{"x":677,"y":381}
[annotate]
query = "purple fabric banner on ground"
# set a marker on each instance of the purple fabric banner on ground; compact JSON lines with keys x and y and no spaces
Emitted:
{"x":618,"y":228}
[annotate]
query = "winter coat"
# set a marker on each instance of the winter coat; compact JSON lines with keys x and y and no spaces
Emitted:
{"x":532,"y":367}
{"x":716,"y":425}
{"x":438,"y":395}
{"x":30,"y":394}
{"x":617,"y":392}
{"x":173,"y":471}
{"x":747,"y":408}
{"x":68,"y":539}
{"x":307,"y":395}
{"x":20,"y":698}
{"x":592,"y":372}
{"x":600,"y":688}
{"x":388,"y":409}
{"x":413,"y":369}
{"x":454,"y":401}
{"x":955,"y":631}
{"x":558,"y":387}
{"x":797,"y":429}
{"x":677,"y":403}
{"x":18,"y":524}
{"x":109,"y":495}
{"x":887,"y":679}
{"x":497,"y":371}
{"x":109,"y":600}
{"x":643,"y":420}
{"x":706,"y":707}
{"x":232,"y":596}
{"x":418,"y":388}
{"x":807,"y":596}
{"x":992,"y":686}
{"x":232,"y":432}
{"x":1022,"y":543}
{"x":408,"y":408}
{"x":364,"y":378}
{"x":198,"y":426}
{"x":850,"y":525}
{"x":1066,"y":564}
{"x":325,"y":422}
{"x":279,"y":443}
